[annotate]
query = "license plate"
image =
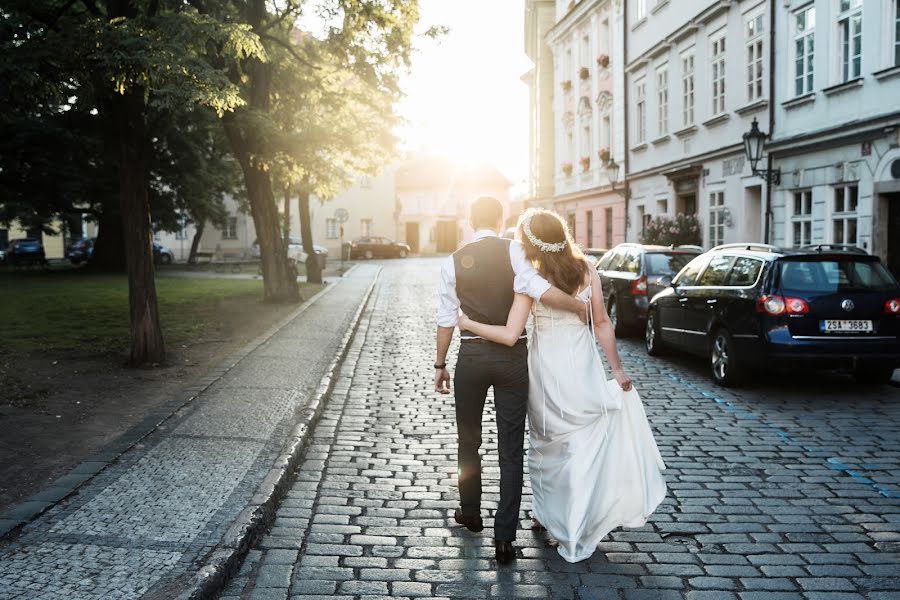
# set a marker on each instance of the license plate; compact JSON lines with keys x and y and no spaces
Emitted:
{"x":845,"y":326}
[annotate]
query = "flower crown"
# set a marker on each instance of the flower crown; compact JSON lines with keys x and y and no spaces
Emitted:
{"x":538,"y":242}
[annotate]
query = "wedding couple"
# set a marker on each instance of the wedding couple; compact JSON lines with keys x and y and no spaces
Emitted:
{"x":592,"y":459}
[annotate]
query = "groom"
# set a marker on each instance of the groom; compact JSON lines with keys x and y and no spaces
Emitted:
{"x":482,"y":278}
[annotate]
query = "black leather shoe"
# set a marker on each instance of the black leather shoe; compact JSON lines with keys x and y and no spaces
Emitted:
{"x":471,"y":522}
{"x":505,"y":552}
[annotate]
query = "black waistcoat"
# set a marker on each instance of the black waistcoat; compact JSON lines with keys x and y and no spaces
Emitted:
{"x":484,"y":280}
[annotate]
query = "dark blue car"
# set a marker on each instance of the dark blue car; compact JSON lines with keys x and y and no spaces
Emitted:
{"x":25,"y":253}
{"x":746,"y":307}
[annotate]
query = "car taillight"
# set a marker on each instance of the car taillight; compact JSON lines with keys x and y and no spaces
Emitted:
{"x":796,"y":306}
{"x":639,"y":286}
{"x":892,"y":307}
{"x":777,"y":305}
{"x":774,"y":305}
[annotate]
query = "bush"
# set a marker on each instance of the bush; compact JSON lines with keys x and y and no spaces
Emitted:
{"x":668,"y":231}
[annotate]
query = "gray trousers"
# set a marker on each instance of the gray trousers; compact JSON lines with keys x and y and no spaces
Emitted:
{"x":480,"y":366}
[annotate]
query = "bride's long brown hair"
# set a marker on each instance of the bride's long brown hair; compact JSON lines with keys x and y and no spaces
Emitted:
{"x":564,"y":269}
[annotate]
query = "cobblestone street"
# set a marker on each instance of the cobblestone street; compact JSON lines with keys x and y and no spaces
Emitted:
{"x":787,"y":489}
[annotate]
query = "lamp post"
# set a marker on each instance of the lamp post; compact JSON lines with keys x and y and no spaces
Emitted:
{"x":612,"y":171}
{"x":754,"y":146}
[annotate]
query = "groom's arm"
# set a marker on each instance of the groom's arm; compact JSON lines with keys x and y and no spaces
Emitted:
{"x":530,"y":282}
{"x":447,"y":320}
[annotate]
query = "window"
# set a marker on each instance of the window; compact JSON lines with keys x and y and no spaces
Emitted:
{"x":662,"y":99}
{"x":804,"y":50}
{"x":641,"y":219}
{"x":589,"y":215}
{"x":640,"y":89}
{"x":609,"y":227}
{"x":897,"y":33}
{"x":606,"y":260}
{"x":331,"y":229}
{"x":570,"y":223}
{"x":365,"y":182}
{"x":230,"y":231}
{"x":365,"y":227}
{"x":716,"y":218}
{"x":744,"y":272}
{"x":801,"y":218}
{"x":632,"y":263}
{"x":718,"y":75}
{"x":717,"y":271}
{"x":850,"y":39}
{"x":687,"y":89}
{"x":688,"y":275}
{"x":640,"y":10}
{"x":844,"y":215}
{"x":755,"y":58}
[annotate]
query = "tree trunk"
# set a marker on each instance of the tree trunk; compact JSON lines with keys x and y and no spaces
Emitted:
{"x":286,"y":214}
{"x":109,"y":249}
{"x":195,"y":243}
{"x":128,"y":114}
{"x":313,"y":269}
{"x":248,"y":146}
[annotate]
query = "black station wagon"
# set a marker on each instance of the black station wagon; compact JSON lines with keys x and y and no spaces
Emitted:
{"x":746,"y":306}
{"x":630,"y":274}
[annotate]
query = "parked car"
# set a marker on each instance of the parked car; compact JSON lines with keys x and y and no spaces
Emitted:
{"x":80,"y":251}
{"x":377,"y":247}
{"x":751,"y":306}
{"x":631,"y":274}
{"x":162,"y":255}
{"x":295,"y":251}
{"x":595,"y":254}
{"x":25,"y":252}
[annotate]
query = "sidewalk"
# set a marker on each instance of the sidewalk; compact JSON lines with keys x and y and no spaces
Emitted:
{"x":152,"y":518}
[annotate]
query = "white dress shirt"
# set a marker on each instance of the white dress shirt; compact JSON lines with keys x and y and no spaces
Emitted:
{"x":527,"y":281}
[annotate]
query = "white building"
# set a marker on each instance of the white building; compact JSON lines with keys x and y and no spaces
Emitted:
{"x":836,"y":137}
{"x":587,"y":42}
{"x":697,"y":74}
{"x":540,"y":17}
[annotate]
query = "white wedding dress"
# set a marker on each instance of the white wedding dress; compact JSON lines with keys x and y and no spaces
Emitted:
{"x":593,"y":462}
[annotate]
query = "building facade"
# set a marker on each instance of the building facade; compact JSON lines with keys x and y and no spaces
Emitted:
{"x":697,"y":74}
{"x":540,"y":17}
{"x":433,"y":196}
{"x":587,"y":42}
{"x":836,"y":137}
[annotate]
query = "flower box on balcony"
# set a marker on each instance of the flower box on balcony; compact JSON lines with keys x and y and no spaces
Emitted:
{"x":584,"y":73}
{"x":566,"y":85}
{"x":585,"y":163}
{"x":566,"y":168}
{"x":603,"y":154}
{"x":603,"y":60}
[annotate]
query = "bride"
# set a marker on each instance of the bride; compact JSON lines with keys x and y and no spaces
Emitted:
{"x":592,"y":459}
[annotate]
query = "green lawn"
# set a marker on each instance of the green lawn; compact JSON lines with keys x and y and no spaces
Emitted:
{"x":89,"y":312}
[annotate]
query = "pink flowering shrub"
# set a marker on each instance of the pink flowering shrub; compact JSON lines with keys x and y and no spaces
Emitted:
{"x":667,"y":231}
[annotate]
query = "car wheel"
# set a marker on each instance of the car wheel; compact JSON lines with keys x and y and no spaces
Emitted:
{"x":652,"y":339}
{"x":725,"y":366}
{"x":403,"y":253}
{"x":869,"y":375}
{"x":369,"y":255}
{"x":166,"y":259}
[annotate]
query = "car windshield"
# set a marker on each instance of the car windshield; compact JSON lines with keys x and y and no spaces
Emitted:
{"x":834,"y":275}
{"x":666,"y":263}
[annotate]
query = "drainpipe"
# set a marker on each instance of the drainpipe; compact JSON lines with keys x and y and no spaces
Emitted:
{"x":769,"y":159}
{"x":625,"y":111}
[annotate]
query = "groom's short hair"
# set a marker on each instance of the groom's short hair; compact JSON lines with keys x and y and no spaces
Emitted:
{"x":486,"y":212}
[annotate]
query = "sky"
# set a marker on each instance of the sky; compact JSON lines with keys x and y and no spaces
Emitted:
{"x":465,"y":97}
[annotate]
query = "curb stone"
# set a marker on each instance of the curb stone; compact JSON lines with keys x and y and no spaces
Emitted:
{"x":22,"y":513}
{"x":223,"y":561}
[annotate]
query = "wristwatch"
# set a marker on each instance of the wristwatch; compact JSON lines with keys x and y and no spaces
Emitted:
{"x":440,"y":366}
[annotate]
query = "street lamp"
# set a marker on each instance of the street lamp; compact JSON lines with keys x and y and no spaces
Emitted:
{"x":612,"y":171}
{"x":754,"y":145}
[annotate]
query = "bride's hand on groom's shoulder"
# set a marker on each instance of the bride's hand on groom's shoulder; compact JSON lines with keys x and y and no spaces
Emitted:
{"x":622,"y":379}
